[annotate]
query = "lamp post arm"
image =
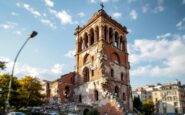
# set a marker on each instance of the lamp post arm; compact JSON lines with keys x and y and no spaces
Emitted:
{"x":12,"y":73}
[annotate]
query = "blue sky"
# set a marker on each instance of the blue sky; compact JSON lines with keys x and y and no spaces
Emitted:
{"x":156,"y":39}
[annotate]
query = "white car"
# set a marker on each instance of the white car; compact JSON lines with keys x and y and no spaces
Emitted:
{"x":53,"y":113}
{"x":16,"y":113}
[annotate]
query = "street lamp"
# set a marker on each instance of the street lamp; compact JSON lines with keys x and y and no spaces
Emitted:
{"x":32,"y":35}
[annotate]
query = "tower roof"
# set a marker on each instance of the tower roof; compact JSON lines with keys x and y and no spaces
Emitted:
{"x":102,"y":13}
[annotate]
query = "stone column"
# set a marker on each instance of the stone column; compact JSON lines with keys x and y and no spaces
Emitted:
{"x":89,"y":39}
{"x":101,"y":34}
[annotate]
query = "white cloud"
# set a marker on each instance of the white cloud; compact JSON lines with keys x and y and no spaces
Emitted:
{"x":181,"y":24}
{"x":133,"y":14}
{"x":14,"y":14}
{"x":158,"y":58}
{"x":49,"y":3}
{"x":116,"y":15}
{"x":70,"y":54}
{"x":159,"y":9}
{"x":183,"y":1}
{"x":64,"y":17}
{"x":31,"y":10}
{"x":8,"y":25}
{"x":104,"y":1}
{"x":57,"y":68}
{"x":48,"y":23}
{"x":41,"y":73}
{"x":18,"y":32}
{"x":81,"y":14}
{"x":18,"y":4}
{"x":145,"y":8}
{"x":164,"y":35}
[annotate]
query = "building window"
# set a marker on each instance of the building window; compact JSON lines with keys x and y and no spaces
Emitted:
{"x":67,"y":91}
{"x":86,"y":74}
{"x":80,"y":99}
{"x":121,"y":76}
{"x":124,"y":97}
{"x":116,"y":91}
{"x":96,"y":95}
{"x":92,"y":72}
{"x":112,"y":73}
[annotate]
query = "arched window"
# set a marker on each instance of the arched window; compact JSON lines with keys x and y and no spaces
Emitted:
{"x":110,"y":35}
{"x":80,"y":99}
{"x":105,"y":33}
{"x":116,"y":91}
{"x":124,"y":97}
{"x":121,"y":43}
{"x":86,"y":74}
{"x":115,"y":58}
{"x":96,"y":95}
{"x":112,"y":73}
{"x":121,"y":76}
{"x":97,"y":33}
{"x":66,"y":91}
{"x":86,"y":58}
{"x":92,"y":36}
{"x":116,"y":39}
{"x":86,"y":40}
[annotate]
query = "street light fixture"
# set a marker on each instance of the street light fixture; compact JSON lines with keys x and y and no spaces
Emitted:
{"x":32,"y":35}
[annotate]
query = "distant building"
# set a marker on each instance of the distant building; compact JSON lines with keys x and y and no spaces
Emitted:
{"x":170,"y":98}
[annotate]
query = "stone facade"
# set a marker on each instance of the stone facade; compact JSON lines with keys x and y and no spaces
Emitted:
{"x":101,"y":77}
{"x":102,"y":67}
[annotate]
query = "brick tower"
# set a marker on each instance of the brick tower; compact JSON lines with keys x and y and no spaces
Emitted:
{"x":102,"y":67}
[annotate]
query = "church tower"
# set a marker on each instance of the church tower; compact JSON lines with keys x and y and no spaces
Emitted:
{"x":102,"y":66}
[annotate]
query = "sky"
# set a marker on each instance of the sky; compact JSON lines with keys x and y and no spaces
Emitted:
{"x":156,"y":39}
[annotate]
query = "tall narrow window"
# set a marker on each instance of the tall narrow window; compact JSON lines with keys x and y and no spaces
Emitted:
{"x":105,"y":33}
{"x":112,"y":73}
{"x":92,"y":36}
{"x":124,"y":97}
{"x":86,"y":74}
{"x":121,"y":76}
{"x":96,"y":95}
{"x":80,"y":98}
{"x":110,"y":35}
{"x":92,"y":72}
{"x":116,"y":91}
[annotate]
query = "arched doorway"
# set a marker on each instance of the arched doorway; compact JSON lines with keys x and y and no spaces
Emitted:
{"x":116,"y":91}
{"x":85,"y":111}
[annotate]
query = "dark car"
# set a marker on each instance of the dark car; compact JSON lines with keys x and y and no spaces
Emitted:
{"x":36,"y":111}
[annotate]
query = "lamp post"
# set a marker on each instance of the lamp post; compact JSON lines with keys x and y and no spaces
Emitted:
{"x":32,"y":35}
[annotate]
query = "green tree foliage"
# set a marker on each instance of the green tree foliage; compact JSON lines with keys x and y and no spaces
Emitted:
{"x":2,"y":65}
{"x":93,"y":112}
{"x":30,"y":92}
{"x":24,"y":92}
{"x":148,"y":107}
{"x":137,"y":103}
{"x":4,"y":83}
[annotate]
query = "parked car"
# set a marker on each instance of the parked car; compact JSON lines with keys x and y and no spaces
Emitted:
{"x":16,"y":113}
{"x":36,"y":111}
{"x":53,"y":113}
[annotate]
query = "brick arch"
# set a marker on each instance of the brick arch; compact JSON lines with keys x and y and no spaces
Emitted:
{"x":115,"y":58}
{"x":86,"y":41}
{"x":86,"y":58}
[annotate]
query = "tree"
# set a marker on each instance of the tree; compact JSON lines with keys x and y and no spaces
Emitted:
{"x":30,"y":92}
{"x":93,"y":112}
{"x":4,"y":82}
{"x":2,"y":65}
{"x":137,"y":103}
{"x":148,"y":107}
